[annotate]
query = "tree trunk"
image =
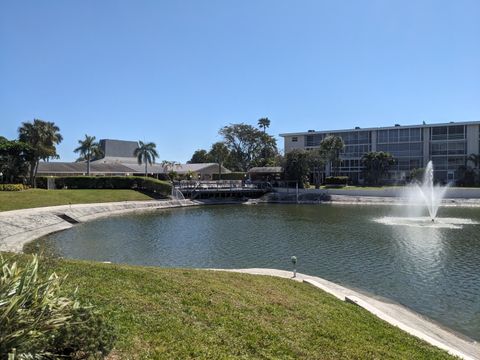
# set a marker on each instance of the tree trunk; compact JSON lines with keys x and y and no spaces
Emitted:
{"x":88,"y":165}
{"x":146,"y":164}
{"x":35,"y":174}
{"x":32,"y":171}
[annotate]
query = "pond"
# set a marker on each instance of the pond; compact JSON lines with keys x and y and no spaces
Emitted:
{"x":432,"y":270}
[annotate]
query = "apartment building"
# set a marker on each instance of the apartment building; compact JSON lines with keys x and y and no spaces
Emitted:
{"x":447,"y":145}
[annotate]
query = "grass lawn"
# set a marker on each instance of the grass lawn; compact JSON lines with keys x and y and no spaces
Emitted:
{"x":198,"y":314}
{"x":12,"y":200}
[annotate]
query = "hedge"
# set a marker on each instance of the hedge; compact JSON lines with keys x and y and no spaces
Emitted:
{"x":231,"y":176}
{"x":336,"y":180}
{"x":13,"y":187}
{"x":109,"y":182}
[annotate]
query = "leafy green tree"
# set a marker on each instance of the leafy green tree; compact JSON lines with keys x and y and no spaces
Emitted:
{"x":475,"y":160}
{"x":264,"y":123}
{"x":248,"y":146}
{"x":42,"y":136}
{"x":146,"y":153}
{"x":89,"y":149}
{"x":219,"y":153}
{"x":417,"y":174}
{"x":331,"y":147}
{"x":297,"y":166}
{"x":376,"y":166}
{"x":14,"y":159}
{"x":200,"y":157}
{"x":317,"y":163}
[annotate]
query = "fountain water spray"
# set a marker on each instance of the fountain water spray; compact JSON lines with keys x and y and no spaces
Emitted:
{"x":430,"y":193}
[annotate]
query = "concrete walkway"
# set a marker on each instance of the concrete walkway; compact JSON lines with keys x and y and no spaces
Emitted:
{"x":394,"y":314}
{"x":19,"y":227}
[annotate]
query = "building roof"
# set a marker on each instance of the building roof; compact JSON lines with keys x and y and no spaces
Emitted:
{"x":178,"y":168}
{"x":118,"y":148}
{"x":80,"y":168}
{"x":381,"y":128}
{"x":266,"y":170}
{"x":117,"y":167}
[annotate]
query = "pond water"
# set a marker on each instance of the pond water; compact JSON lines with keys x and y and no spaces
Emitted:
{"x":433,"y":270}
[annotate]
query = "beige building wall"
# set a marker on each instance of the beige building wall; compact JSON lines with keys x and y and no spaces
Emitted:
{"x":473,"y":139}
{"x":291,"y":145}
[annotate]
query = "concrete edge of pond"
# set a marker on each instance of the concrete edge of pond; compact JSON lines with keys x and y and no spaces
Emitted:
{"x":394,"y":314}
{"x":19,"y":227}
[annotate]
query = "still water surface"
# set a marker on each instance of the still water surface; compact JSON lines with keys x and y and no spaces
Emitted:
{"x":434,"y":271}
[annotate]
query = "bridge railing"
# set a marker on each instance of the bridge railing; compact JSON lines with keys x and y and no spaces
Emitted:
{"x":191,"y":185}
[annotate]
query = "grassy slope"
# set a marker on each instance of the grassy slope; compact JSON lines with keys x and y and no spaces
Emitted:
{"x":180,"y":314}
{"x":11,"y":200}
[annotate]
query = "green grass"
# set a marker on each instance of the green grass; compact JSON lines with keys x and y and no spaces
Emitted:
{"x":12,"y":200}
{"x":197,"y":314}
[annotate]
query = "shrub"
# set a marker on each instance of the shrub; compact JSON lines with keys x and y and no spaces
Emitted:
{"x":336,"y":180}
{"x":230,"y":176}
{"x":110,"y":182}
{"x":12,"y":187}
{"x":86,"y":335}
{"x":36,"y":319}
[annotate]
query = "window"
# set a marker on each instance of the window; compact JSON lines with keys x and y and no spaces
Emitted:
{"x":404,"y":135}
{"x":456,"y":132}
{"x":439,"y":148}
{"x":382,"y":136}
{"x":439,"y":133}
{"x":294,"y":139}
{"x":393,"y":135}
{"x":416,"y":134}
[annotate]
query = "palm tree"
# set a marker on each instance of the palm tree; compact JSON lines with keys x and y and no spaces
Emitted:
{"x":42,"y":136}
{"x":88,"y":148}
{"x":264,"y":123}
{"x":169,"y":168}
{"x":331,"y":147}
{"x":219,"y":153}
{"x":146,"y":153}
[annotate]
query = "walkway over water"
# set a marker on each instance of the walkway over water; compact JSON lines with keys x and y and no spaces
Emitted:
{"x":222,"y":189}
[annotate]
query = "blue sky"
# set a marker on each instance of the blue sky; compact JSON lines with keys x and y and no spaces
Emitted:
{"x":174,"y":72}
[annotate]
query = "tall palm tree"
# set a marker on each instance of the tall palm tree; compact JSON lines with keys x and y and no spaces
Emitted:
{"x":219,"y":153}
{"x":146,"y":153}
{"x":88,"y":149}
{"x":264,"y":123}
{"x":42,"y":136}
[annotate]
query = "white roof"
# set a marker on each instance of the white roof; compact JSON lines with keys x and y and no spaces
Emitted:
{"x":381,"y":128}
{"x":157,"y":168}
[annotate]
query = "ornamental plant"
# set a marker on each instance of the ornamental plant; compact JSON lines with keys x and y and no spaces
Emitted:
{"x":36,"y":320}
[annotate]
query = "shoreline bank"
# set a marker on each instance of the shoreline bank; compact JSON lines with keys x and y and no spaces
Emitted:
{"x":393,"y":313}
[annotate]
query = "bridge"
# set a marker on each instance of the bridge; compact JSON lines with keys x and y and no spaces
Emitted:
{"x":221,"y":189}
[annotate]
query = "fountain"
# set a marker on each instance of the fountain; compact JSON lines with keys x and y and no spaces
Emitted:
{"x":431,"y":194}
{"x":177,"y":194}
{"x":421,"y":198}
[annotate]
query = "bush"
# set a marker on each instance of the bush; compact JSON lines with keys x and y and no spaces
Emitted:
{"x":230,"y":176}
{"x":13,"y":187}
{"x":86,"y":335}
{"x":109,"y":182}
{"x":336,"y":180}
{"x":36,"y":319}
